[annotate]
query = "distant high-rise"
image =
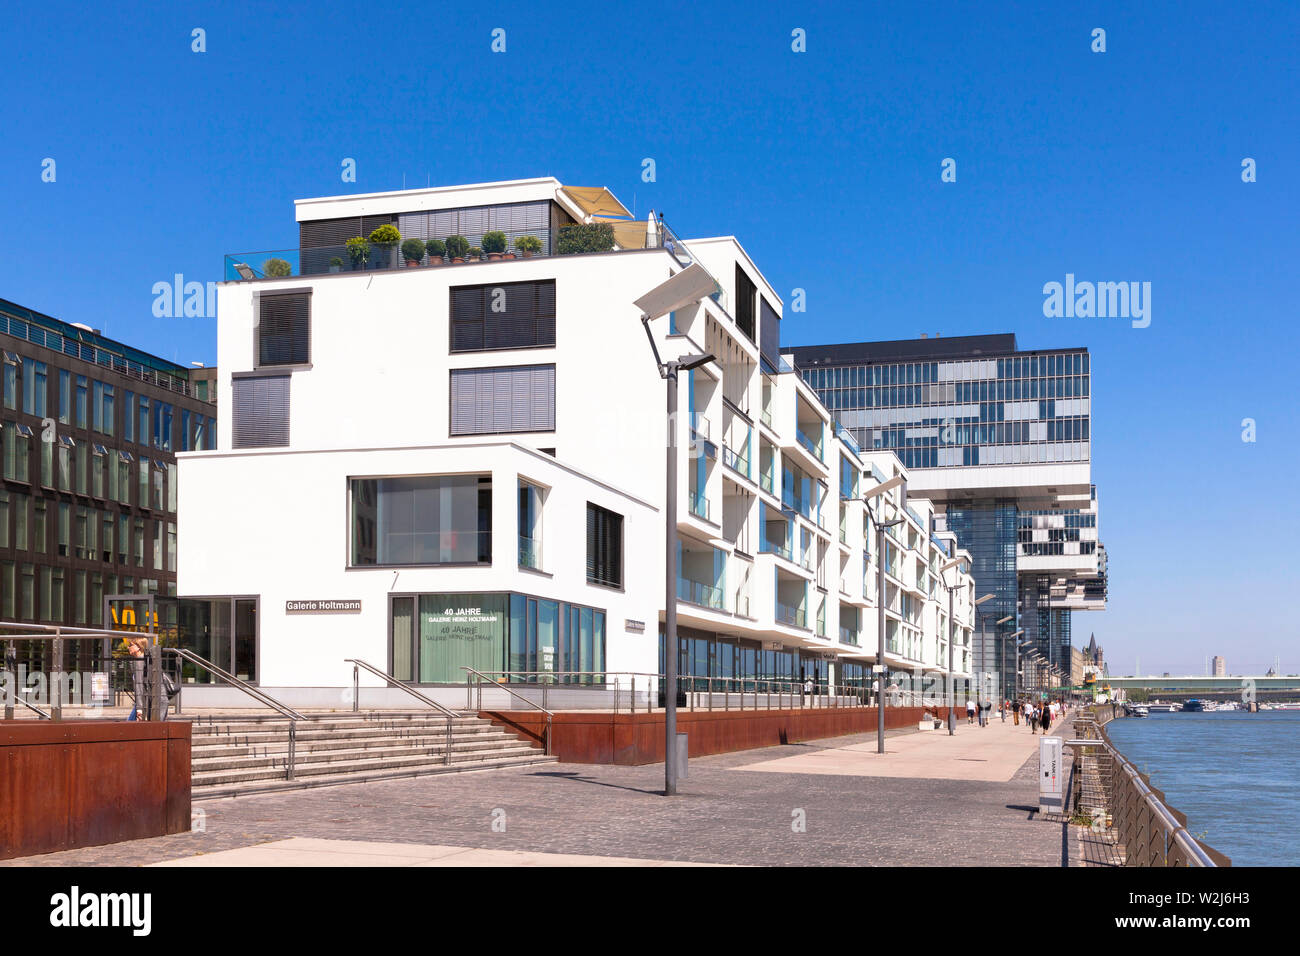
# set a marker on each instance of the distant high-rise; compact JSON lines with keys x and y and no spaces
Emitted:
{"x":1220,"y":667}
{"x":1000,"y":440}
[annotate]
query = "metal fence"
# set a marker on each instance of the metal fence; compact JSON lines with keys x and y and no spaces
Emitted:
{"x":1110,"y":791}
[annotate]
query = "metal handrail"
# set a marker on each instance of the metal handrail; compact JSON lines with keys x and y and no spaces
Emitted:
{"x":546,"y":742}
{"x":401,"y":685}
{"x":258,"y":695}
{"x":1161,"y":815}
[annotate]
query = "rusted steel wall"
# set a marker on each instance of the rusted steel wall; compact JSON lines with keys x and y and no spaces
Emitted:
{"x":91,"y":782}
{"x":632,"y":739}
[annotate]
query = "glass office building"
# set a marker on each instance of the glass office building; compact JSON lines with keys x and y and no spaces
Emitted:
{"x":1000,"y":439}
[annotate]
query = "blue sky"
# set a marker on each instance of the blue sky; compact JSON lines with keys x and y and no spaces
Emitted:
{"x":1123,"y":165}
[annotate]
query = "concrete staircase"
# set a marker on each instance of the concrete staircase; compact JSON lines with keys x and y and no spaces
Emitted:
{"x":233,"y":755}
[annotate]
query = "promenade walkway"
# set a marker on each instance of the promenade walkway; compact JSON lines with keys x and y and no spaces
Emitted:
{"x":930,"y":801}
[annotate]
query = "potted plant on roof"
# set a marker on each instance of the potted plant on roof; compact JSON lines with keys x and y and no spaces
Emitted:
{"x":275,"y":268}
{"x":475,"y":254}
{"x":386,"y":238}
{"x":528,"y":246}
{"x":436,"y":249}
{"x":413,"y":252}
{"x":494,"y":244}
{"x":336,"y":264}
{"x":457,"y":248}
{"x":358,"y":252}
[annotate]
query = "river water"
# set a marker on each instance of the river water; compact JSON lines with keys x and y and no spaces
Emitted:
{"x":1234,"y":774}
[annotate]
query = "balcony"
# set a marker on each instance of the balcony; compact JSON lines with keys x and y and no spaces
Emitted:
{"x":849,"y":636}
{"x":793,"y":616}
{"x":621,"y":235}
{"x":736,"y":462}
{"x":779,"y":548}
{"x":814,"y":448}
{"x":699,"y":505}
{"x":700,"y":425}
{"x":768,"y":483}
{"x":697,"y":592}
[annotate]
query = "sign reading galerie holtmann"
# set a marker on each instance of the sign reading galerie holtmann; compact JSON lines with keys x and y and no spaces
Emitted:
{"x":322,"y":607}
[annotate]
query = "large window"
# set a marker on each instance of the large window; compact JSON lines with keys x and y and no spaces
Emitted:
{"x":421,"y":520}
{"x":530,"y":525}
{"x":604,"y":546}
{"x":284,"y":328}
{"x":491,"y":401}
{"x":745,"y":294}
{"x":505,"y":315}
{"x":261,"y":411}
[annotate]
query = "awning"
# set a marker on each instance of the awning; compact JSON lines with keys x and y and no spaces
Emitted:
{"x":629,"y":235}
{"x":596,"y":201}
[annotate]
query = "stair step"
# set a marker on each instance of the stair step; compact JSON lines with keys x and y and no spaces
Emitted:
{"x":237,"y":788}
{"x":306,"y":736}
{"x":221,"y":728}
{"x":344,"y":753}
{"x":280,"y":744}
{"x":201,"y":778}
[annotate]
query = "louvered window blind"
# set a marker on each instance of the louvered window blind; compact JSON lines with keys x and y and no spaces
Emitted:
{"x":261,"y":411}
{"x":488,"y":401}
{"x":504,"y":315}
{"x":284,"y":328}
{"x":604,"y":546}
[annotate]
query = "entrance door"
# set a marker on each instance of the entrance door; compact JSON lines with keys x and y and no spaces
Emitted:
{"x":246,"y":639}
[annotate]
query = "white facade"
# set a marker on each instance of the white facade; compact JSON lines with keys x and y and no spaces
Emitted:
{"x":769,"y":551}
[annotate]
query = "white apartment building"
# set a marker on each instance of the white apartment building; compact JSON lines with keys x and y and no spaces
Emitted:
{"x":430,"y":464}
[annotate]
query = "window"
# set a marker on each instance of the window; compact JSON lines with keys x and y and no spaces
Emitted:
{"x":261,"y":411}
{"x":486,"y":401}
{"x":10,"y":380}
{"x":530,"y":525}
{"x":81,"y":401}
{"x":284,"y":328}
{"x":128,"y":417}
{"x":506,"y":315}
{"x":143,"y":435}
{"x":34,"y":388}
{"x":421,"y":520}
{"x":15,"y":449}
{"x":604,"y":547}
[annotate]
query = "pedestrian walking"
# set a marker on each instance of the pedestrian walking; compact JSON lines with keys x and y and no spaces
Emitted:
{"x":970,"y":711}
{"x":1031,"y":717}
{"x":1015,"y":713}
{"x":1006,"y":705}
{"x":1046,"y":717}
{"x":135,"y":648}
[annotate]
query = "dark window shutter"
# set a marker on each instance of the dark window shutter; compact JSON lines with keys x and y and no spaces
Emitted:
{"x":604,"y":546}
{"x":745,"y":293}
{"x":284,"y":328}
{"x":504,"y":315}
{"x":467,"y":319}
{"x":261,"y":412}
{"x":769,"y":331}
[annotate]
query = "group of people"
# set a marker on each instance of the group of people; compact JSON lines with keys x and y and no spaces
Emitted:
{"x":1037,"y":714}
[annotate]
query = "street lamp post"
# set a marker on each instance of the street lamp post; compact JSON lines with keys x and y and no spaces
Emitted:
{"x":683,"y":289}
{"x":880,"y":527}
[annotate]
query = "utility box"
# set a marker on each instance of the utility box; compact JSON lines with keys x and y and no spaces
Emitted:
{"x":1051,"y":778}
{"x":681,"y":757}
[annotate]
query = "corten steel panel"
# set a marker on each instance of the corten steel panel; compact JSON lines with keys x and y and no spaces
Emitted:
{"x":634,"y":739}
{"x":88,"y":783}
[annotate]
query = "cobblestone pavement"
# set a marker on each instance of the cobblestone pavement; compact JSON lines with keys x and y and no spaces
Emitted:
{"x":720,"y":816}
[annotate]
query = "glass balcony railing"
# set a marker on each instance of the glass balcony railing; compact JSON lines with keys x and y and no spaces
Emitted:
{"x":699,"y":505}
{"x":765,"y":416}
{"x":767,"y":483}
{"x":699,"y":425}
{"x":372,"y":256}
{"x":848,"y":635}
{"x":785,"y":614}
{"x":779,"y":548}
{"x":737,"y":463}
{"x":814,"y":447}
{"x":530,"y":555}
{"x":697,"y":592}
